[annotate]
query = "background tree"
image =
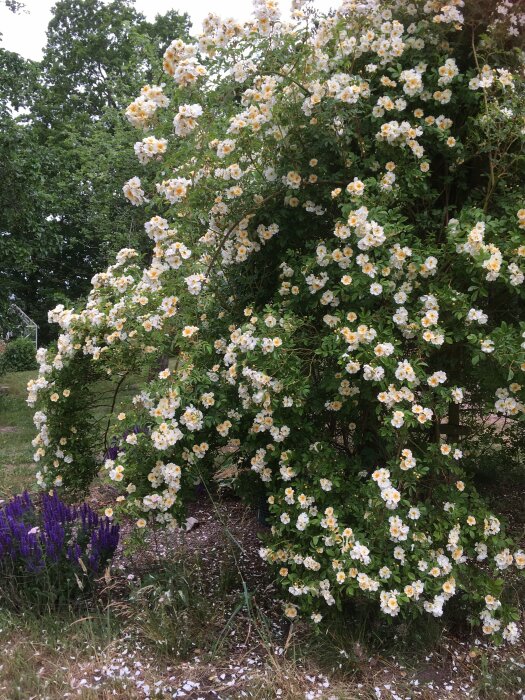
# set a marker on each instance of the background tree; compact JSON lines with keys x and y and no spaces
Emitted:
{"x":20,"y":177}
{"x":67,"y":149}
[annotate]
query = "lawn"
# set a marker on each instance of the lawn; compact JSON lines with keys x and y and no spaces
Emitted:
{"x":194,"y":615}
{"x":17,"y":468}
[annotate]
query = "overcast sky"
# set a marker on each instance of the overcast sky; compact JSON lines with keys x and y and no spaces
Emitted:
{"x":25,"y":33}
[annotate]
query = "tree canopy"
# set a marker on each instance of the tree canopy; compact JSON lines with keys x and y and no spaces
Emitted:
{"x":66,"y":148}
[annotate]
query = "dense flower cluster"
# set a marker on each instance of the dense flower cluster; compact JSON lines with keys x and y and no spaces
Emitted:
{"x":337,"y":274}
{"x":51,"y":548}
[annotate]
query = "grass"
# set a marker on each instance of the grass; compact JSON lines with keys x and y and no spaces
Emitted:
{"x":193,"y":618}
{"x":40,"y":652}
{"x":17,"y":468}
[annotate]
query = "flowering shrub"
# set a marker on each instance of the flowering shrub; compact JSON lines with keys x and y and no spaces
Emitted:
{"x":50,"y":552}
{"x":337,"y":230}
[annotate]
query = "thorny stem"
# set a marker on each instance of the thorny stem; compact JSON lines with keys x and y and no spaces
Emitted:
{"x":492,"y":174}
{"x":115,"y":394}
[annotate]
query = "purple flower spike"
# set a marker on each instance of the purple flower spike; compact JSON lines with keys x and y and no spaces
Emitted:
{"x":46,"y":547}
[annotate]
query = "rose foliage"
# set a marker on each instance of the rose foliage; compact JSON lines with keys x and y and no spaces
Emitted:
{"x":337,"y":219}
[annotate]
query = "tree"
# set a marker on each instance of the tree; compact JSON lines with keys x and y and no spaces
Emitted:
{"x":69,"y":149}
{"x":97,"y":54}
{"x":20,"y":177}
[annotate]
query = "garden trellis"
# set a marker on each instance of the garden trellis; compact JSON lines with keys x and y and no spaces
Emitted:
{"x":20,"y":325}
